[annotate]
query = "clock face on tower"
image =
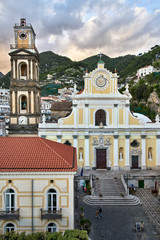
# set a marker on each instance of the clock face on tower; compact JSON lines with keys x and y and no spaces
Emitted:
{"x":100,"y":81}
{"x":22,"y":35}
{"x":22,"y":120}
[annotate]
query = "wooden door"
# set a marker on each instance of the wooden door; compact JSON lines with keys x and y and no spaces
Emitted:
{"x":134,"y":162}
{"x":101,"y":158}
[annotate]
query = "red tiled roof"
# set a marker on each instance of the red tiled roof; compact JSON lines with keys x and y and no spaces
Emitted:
{"x":80,"y":91}
{"x":35,"y":154}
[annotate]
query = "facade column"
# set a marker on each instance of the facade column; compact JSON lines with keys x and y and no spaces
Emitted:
{"x":34,"y":97}
{"x":29,"y":100}
{"x":16,"y":103}
{"x":115,"y":115}
{"x":59,"y":138}
{"x":31,"y":69}
{"x":11,"y":68}
{"x":75,"y":115}
{"x":14,"y":69}
{"x":127,"y":115}
{"x":158,"y":151}
{"x":127,"y":165}
{"x":116,"y":157}
{"x":75,"y":143}
{"x":87,"y":151}
{"x":11,"y":99}
{"x":143,"y":163}
{"x":87,"y":115}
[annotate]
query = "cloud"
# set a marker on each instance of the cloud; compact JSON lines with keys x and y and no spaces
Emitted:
{"x":79,"y":29}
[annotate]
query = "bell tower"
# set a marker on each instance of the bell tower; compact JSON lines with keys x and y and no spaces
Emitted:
{"x":24,"y":83}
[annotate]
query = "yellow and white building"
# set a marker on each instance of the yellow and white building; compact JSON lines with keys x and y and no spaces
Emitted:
{"x":36,"y":185}
{"x":102,"y":128}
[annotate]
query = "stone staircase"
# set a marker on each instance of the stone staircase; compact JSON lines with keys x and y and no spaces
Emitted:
{"x":110,"y":191}
{"x":108,"y":187}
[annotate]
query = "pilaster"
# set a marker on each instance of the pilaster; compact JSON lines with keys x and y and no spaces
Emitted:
{"x":87,"y":151}
{"x":158,"y":151}
{"x":143,"y":164}
{"x":87,"y":115}
{"x":115,"y":165}
{"x":127,"y":165}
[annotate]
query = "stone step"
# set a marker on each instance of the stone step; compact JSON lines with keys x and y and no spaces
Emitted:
{"x":125,"y":201}
{"x":108,"y":187}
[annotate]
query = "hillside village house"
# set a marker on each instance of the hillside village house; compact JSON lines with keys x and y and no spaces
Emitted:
{"x":142,"y":72}
{"x":102,"y":128}
{"x":36,"y":185}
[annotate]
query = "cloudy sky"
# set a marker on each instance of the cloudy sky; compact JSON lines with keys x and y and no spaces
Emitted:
{"x":82,"y":28}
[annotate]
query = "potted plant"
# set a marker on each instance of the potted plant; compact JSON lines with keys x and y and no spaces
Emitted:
{"x":82,"y":212}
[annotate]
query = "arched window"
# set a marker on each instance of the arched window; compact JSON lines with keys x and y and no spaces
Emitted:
{"x":52,"y":200}
{"x":9,"y":227}
{"x":100,"y":118}
{"x":52,"y":227}
{"x":23,"y":103}
{"x":10,"y":200}
{"x":23,"y":69}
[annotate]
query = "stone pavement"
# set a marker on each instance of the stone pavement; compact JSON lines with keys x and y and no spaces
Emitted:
{"x":117,"y":223}
{"x":151,"y":206}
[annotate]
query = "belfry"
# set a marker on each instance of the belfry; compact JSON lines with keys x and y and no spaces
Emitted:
{"x":24,"y":84}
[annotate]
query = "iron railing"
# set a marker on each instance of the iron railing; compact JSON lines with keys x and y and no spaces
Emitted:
{"x":51,"y":214}
{"x":10,"y":215}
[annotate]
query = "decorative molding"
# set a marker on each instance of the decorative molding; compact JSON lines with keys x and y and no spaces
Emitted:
{"x":115,"y":136}
{"x":86,"y":136}
{"x":143,"y":136}
{"x":59,"y":136}
{"x":135,"y":151}
{"x":101,"y":142}
{"x":127,"y":136}
{"x":75,"y":136}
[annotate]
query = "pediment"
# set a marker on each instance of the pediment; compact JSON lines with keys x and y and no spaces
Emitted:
{"x":21,"y":52}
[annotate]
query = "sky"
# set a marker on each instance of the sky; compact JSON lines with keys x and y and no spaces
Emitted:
{"x":82,"y":28}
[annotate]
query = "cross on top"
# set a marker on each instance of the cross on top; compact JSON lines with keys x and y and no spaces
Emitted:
{"x":100,"y":55}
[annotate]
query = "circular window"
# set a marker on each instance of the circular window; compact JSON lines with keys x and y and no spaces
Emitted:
{"x":22,"y":35}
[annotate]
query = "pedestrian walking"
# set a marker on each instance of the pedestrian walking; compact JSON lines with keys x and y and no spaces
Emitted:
{"x":97,"y":213}
{"x":100,"y":212}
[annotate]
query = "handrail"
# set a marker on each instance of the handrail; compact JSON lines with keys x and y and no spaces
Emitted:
{"x":124,"y":185}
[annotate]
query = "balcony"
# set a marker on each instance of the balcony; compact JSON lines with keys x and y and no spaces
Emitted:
{"x":51,"y":214}
{"x":10,"y":215}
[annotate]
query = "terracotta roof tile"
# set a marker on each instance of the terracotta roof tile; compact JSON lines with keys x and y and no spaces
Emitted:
{"x":35,"y":154}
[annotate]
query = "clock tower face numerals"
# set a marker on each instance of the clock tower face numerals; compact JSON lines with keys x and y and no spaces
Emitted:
{"x":100,"y":81}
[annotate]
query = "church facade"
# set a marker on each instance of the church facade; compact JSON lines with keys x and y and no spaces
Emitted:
{"x":102,"y":128}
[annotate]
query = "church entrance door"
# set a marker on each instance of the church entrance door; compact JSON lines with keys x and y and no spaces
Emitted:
{"x":135,"y":162}
{"x":101,"y":158}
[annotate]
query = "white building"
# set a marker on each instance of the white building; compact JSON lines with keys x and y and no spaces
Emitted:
{"x":142,"y":72}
